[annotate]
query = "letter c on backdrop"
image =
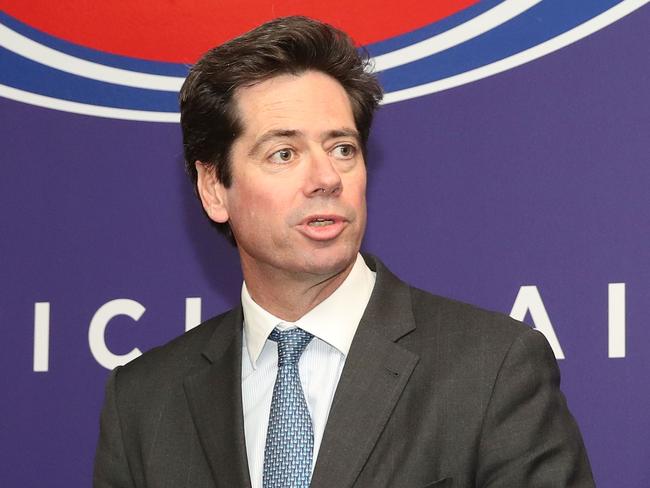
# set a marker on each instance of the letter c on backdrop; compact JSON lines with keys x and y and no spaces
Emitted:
{"x":97,"y":328}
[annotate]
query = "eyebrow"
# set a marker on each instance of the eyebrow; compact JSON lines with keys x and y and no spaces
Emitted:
{"x":289,"y":133}
{"x":270,"y":135}
{"x":333,"y":134}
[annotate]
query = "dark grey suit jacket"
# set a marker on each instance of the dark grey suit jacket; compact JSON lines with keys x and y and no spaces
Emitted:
{"x":434,"y":393}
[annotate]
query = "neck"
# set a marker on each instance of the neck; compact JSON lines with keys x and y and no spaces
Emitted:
{"x":288,"y":295}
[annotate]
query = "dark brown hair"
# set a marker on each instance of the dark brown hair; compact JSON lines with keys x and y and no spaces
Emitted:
{"x":289,"y":45}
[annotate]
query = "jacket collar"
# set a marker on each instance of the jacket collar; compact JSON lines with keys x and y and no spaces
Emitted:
{"x":376,"y":371}
{"x":375,"y":374}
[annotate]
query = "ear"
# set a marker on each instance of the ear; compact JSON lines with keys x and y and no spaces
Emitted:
{"x":212,"y":193}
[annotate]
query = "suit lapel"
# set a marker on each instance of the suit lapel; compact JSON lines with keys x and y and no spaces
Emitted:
{"x":376,"y":371}
{"x":214,"y":395}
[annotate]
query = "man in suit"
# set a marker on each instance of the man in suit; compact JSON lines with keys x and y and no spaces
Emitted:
{"x":388,"y":386}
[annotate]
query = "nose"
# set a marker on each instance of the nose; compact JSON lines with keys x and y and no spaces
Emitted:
{"x":324,"y":177}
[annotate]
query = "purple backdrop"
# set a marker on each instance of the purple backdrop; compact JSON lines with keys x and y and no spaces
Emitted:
{"x":536,"y":176}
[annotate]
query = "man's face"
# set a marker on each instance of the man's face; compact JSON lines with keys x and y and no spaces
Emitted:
{"x":297,"y":200}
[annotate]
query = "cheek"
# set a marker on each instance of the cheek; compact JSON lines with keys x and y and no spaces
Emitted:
{"x":357,"y":190}
{"x":257,"y":210}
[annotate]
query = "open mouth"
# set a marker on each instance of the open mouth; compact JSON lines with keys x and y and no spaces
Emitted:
{"x":320,"y":222}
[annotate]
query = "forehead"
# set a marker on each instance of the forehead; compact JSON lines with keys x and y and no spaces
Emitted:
{"x":309,"y":102}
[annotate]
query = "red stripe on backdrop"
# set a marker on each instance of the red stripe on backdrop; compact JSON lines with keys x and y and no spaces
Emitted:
{"x":179,"y":31}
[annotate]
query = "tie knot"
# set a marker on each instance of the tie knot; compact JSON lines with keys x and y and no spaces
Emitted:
{"x":291,"y":344}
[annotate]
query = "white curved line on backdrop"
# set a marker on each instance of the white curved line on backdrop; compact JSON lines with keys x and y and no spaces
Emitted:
{"x":25,"y":47}
{"x":583,"y":30}
{"x":474,"y":27}
{"x":47,"y":56}
{"x":603,"y":20}
{"x":86,"y":109}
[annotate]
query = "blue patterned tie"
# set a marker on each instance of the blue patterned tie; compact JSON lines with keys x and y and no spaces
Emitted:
{"x":290,"y":436}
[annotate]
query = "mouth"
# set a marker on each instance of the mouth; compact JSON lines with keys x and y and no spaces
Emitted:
{"x":322,"y":220}
{"x":323,"y":227}
{"x":318,"y":222}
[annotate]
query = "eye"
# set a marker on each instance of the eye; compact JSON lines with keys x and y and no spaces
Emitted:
{"x":282,"y":156}
{"x":344,"y":151}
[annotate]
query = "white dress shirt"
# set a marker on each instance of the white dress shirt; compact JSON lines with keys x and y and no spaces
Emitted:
{"x":333,"y":323}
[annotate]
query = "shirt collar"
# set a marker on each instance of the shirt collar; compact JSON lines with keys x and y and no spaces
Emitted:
{"x":334,"y":320}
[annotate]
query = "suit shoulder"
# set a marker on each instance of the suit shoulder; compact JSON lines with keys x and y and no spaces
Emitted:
{"x":464,"y":341}
{"x":176,"y":357}
{"x":453,"y":317}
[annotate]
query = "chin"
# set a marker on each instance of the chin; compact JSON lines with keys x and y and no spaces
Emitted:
{"x":324,"y":262}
